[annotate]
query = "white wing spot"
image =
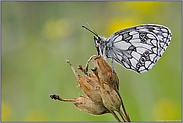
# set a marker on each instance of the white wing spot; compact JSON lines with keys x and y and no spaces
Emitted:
{"x":156,"y":31}
{"x":165,"y":34}
{"x":147,"y":63}
{"x":136,"y":55}
{"x":151,"y":65}
{"x":155,"y":50}
{"x":141,"y":68}
{"x":122,"y":45}
{"x":152,"y":56}
{"x":118,"y":39}
{"x":151,"y":36}
{"x":133,"y":61}
{"x":141,"y":50}
{"x":126,"y":65}
{"x":162,"y":44}
{"x":133,"y":33}
{"x":164,"y":30}
{"x":160,"y":37}
{"x":154,"y":42}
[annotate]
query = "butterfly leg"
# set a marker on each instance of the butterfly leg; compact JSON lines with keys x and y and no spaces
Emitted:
{"x":112,"y":68}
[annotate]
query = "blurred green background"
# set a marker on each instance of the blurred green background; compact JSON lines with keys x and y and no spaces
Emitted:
{"x":37,"y":38}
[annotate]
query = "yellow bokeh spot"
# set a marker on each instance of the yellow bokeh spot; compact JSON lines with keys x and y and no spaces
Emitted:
{"x":117,"y":24}
{"x":6,"y":112}
{"x":142,"y":6}
{"x":36,"y":116}
{"x":165,"y":110}
{"x":57,"y":28}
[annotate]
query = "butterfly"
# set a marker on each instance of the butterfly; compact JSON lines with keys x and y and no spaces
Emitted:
{"x":136,"y":48}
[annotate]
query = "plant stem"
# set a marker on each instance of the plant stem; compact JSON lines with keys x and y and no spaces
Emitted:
{"x":57,"y":97}
{"x":116,"y":117}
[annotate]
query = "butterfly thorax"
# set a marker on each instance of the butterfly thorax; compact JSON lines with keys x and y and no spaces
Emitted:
{"x":102,"y":44}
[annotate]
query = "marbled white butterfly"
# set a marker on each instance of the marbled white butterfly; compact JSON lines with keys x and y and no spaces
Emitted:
{"x":137,"y":48}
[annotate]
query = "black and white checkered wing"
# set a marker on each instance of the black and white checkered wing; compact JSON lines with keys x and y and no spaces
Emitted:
{"x":138,"y":48}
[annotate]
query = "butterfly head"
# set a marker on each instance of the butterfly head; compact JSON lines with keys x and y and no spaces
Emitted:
{"x":98,"y":40}
{"x":100,"y":43}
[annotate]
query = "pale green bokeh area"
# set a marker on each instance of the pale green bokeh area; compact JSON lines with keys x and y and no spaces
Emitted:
{"x":37,"y":38}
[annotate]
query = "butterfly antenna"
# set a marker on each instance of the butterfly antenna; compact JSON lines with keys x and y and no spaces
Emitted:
{"x":92,"y":31}
{"x":92,"y":28}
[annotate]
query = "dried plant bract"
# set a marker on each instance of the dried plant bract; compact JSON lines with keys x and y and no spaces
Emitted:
{"x":101,"y":90}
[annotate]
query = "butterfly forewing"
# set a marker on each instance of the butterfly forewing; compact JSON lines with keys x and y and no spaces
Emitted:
{"x":138,"y":48}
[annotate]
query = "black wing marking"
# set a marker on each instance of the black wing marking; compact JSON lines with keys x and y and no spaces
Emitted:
{"x":138,"y":48}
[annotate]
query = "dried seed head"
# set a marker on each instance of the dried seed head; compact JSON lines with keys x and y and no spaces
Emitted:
{"x":111,"y":99}
{"x":109,"y":85}
{"x":88,"y":85}
{"x":84,"y":104}
{"x":103,"y":70}
{"x":103,"y":89}
{"x":87,"y":105}
{"x":100,"y":88}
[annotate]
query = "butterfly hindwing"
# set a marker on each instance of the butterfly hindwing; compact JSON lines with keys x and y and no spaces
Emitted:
{"x":138,"y":48}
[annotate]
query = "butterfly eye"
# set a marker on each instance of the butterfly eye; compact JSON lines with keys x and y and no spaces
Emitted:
{"x":97,"y":40}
